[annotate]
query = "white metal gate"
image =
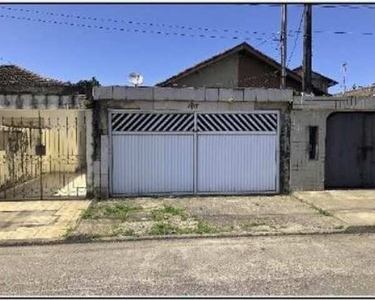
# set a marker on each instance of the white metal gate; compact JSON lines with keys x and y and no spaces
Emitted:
{"x":185,"y":153}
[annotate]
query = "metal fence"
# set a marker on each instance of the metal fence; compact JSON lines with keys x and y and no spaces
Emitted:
{"x":42,"y":154}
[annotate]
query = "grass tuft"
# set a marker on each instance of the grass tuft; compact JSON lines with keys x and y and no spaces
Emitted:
{"x":118,"y":211}
{"x":322,"y":211}
{"x":163,"y":228}
{"x":167,"y":211}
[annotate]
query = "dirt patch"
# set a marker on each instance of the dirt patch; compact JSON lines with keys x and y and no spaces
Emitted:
{"x":121,"y":218}
{"x":202,"y":215}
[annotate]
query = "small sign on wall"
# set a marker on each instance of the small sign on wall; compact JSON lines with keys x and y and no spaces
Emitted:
{"x":193,"y":105}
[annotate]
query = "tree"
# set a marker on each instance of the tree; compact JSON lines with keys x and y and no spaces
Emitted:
{"x":86,"y":86}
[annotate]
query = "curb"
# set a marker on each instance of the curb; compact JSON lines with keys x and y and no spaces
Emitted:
{"x":360,"y":229}
{"x":85,"y":240}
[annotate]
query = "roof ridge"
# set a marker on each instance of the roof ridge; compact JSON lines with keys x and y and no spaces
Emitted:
{"x":221,"y":55}
{"x":12,"y":74}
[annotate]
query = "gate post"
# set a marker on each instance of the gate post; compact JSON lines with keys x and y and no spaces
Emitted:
{"x":89,"y":152}
{"x":104,"y":166}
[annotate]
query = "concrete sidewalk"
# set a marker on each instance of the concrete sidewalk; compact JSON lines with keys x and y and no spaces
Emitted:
{"x":38,"y":220}
{"x":146,"y":217}
{"x":158,"y":217}
{"x":356,"y":208}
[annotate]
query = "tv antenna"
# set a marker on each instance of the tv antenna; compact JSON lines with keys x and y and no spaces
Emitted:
{"x":135,"y":79}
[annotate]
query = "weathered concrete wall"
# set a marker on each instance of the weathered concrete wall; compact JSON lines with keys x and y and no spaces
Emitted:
{"x":191,"y":94}
{"x":309,"y":174}
{"x":285,"y":110}
{"x":187,"y":100}
{"x":89,"y":152}
{"x":39,"y":90}
{"x":41,"y":101}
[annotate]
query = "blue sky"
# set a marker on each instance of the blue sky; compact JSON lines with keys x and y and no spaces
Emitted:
{"x":71,"y":53}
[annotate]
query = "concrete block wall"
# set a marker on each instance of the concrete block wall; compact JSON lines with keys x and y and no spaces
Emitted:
{"x":104,"y":167}
{"x":306,"y":174}
{"x":191,"y":94}
{"x":186,"y":100}
{"x":41,"y":101}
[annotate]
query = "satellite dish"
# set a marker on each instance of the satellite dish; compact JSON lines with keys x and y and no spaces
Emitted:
{"x":135,"y":79}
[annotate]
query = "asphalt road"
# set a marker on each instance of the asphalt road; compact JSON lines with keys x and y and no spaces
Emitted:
{"x":294,"y":265}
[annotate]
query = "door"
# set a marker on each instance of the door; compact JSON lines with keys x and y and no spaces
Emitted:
{"x":237,"y":153}
{"x":152,"y":153}
{"x":153,"y":163}
{"x":350,"y":155}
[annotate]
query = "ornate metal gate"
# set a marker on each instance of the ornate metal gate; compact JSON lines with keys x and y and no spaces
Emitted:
{"x":42,"y":154}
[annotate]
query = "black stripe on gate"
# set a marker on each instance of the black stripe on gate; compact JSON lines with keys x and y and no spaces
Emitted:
{"x":152,"y":122}
{"x":240,"y":122}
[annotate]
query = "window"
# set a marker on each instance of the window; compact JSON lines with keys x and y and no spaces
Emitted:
{"x":313,"y":142}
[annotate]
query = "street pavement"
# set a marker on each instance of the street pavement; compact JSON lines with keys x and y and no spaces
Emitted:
{"x":337,"y":264}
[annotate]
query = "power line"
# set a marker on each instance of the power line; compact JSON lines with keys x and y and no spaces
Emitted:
{"x":349,"y":6}
{"x":129,"y":22}
{"x":340,"y":32}
{"x":108,"y":28}
{"x":190,"y":28}
{"x":272,"y":38}
{"x":296,"y":40}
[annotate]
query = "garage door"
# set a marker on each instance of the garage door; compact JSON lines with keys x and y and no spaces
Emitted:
{"x":194,"y":152}
{"x":152,"y":153}
{"x":237,"y":153}
{"x":350,"y":153}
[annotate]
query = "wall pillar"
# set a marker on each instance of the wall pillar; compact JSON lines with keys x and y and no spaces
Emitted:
{"x":104,"y":167}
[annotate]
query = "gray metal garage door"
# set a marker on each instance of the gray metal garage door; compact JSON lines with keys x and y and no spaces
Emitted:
{"x":237,"y":153}
{"x":194,"y":152}
{"x":350,"y":151}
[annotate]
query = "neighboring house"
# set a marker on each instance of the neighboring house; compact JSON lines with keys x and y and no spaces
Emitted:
{"x":243,"y":66}
{"x":318,"y":80}
{"x":42,"y":132}
{"x":15,"y":79}
{"x":368,"y":91}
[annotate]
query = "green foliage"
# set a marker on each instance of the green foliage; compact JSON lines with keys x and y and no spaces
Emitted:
{"x":118,"y":211}
{"x":163,"y":228}
{"x":256,"y":224}
{"x":167,"y":211}
{"x":129,"y":232}
{"x":204,"y":227}
{"x":166,"y":228}
{"x":86,"y":86}
{"x":324,"y":212}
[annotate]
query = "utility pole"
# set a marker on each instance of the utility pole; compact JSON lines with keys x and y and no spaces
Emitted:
{"x":344,"y":65}
{"x":307,"y":53}
{"x":283,"y":48}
